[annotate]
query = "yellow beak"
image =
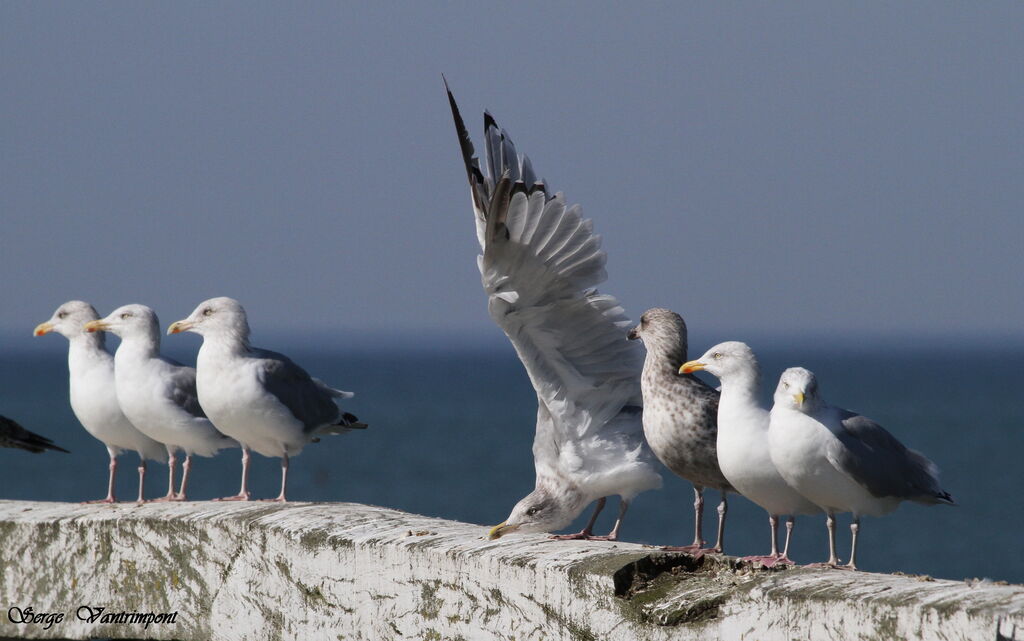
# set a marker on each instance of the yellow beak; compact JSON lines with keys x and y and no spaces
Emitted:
{"x":501,"y":529}
{"x":690,"y":367}
{"x":799,"y":398}
{"x":42,"y":328}
{"x":179,"y":326}
{"x":95,"y":326}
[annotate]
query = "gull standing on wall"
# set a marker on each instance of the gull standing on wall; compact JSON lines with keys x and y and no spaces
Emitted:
{"x":842,"y":461}
{"x":539,"y":265}
{"x":92,"y":392}
{"x":158,"y":394}
{"x":742,"y":444}
{"x":681,"y":416}
{"x":258,"y":397}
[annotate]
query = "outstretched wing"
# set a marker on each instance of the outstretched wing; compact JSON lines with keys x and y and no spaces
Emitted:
{"x":307,"y":398}
{"x":14,"y":435}
{"x":873,"y":457}
{"x":540,"y":264}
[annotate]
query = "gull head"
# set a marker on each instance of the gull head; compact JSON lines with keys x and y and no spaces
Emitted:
{"x":798,"y":390}
{"x":128,"y":321}
{"x":542,"y":510}
{"x":220,"y":316}
{"x":68,"y":320}
{"x":661,"y":330}
{"x":725,"y":360}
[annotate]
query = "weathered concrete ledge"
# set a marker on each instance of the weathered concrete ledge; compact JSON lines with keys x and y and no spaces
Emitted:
{"x":344,"y":571}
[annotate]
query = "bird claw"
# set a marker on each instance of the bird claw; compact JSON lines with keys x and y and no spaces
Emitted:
{"x":694,"y":550}
{"x":768,"y":561}
{"x":583,"y":536}
{"x":237,"y":497}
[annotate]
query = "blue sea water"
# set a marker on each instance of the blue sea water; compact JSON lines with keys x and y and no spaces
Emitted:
{"x":451,"y":428}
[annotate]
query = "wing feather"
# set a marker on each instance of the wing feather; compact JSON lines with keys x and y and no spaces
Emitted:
{"x":873,"y":457}
{"x":540,"y":265}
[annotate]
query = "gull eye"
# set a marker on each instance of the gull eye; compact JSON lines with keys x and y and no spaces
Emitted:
{"x":62,"y":315}
{"x":717,"y":355}
{"x":533,"y":510}
{"x":207,"y":312}
{"x":785,"y":384}
{"x":126,"y":315}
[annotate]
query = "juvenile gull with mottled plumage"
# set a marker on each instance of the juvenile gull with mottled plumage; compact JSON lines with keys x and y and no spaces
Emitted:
{"x":258,"y":397}
{"x":539,"y":266}
{"x":158,"y":394}
{"x":842,"y":461}
{"x":92,"y":392}
{"x":680,"y":415}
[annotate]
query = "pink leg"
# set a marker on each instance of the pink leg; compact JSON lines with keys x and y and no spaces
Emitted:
{"x":723,"y":509}
{"x":171,"y":460}
{"x":142,"y":480}
{"x":773,"y":557}
{"x":614,"y":534}
{"x":854,"y":529}
{"x":110,"y":481}
{"x":243,"y":494}
{"x":698,"y":512}
{"x":585,"y":533}
{"x":833,"y":560}
{"x":186,"y":467}
{"x":284,"y":481}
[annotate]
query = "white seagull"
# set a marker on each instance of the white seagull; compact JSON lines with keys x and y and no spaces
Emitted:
{"x":742,"y":443}
{"x":157,"y":394}
{"x":842,"y":461}
{"x":92,"y":393}
{"x":539,"y":265}
{"x":258,"y":397}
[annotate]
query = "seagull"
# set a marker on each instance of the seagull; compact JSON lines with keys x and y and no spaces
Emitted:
{"x":92,"y":393}
{"x":742,"y":443}
{"x":15,"y":436}
{"x":680,"y":413}
{"x":842,"y":461}
{"x":540,"y":261}
{"x":260,"y":398}
{"x":157,"y":394}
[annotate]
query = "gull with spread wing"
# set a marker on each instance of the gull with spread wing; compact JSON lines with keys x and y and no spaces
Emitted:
{"x":540,"y":264}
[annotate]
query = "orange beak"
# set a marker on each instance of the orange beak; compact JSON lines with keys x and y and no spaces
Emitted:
{"x":42,"y":328}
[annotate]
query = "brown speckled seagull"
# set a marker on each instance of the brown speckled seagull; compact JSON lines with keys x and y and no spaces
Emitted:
{"x":680,"y":415}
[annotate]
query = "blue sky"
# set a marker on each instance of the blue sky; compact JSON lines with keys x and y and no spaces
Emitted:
{"x":759,"y":167}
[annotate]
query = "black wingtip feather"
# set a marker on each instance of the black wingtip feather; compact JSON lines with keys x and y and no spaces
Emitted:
{"x":476,"y":177}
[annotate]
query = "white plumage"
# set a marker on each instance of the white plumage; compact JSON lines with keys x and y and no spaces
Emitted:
{"x":92,"y":392}
{"x":742,"y":443}
{"x":258,"y":397}
{"x":539,"y":265}
{"x":842,"y":461}
{"x":158,"y":394}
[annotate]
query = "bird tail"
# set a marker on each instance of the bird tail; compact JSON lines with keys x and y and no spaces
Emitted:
{"x":346,"y":423}
{"x":14,"y":435}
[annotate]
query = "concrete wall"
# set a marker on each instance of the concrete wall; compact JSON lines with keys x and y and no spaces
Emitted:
{"x":344,"y":571}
